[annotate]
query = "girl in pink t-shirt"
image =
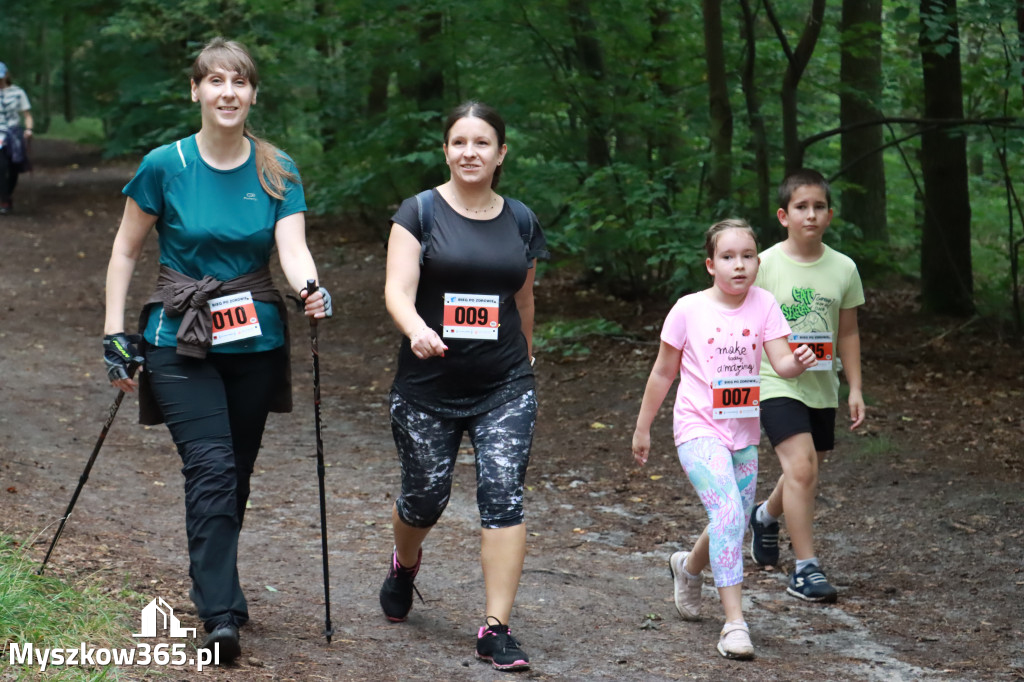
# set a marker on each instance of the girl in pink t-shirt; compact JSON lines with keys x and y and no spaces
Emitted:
{"x":712,"y":340}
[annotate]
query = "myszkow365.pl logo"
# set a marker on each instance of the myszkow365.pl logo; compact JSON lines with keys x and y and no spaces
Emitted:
{"x":157,"y":619}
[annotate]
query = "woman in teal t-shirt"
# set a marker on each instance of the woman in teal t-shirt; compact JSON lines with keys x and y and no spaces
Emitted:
{"x":215,"y":330}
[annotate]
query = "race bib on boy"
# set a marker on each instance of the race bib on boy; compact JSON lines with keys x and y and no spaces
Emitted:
{"x":736,"y":397}
{"x":470,"y":316}
{"x":234,"y":318}
{"x":820,"y":343}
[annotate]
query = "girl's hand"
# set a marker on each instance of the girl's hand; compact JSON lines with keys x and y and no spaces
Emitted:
{"x":426,"y":344}
{"x":641,"y":446}
{"x":805,"y":356}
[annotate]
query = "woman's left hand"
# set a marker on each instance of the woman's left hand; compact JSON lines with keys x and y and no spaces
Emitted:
{"x":318,"y":304}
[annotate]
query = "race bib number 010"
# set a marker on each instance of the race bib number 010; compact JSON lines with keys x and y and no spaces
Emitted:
{"x":820,"y":343}
{"x":234,"y":318}
{"x":470,"y":316}
{"x":736,"y":397}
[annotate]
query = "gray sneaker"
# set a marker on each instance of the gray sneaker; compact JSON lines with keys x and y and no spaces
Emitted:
{"x":687,"y":590}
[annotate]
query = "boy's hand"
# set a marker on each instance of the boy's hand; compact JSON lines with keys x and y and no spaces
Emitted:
{"x":641,"y":446}
{"x":857,"y":409}
{"x":805,"y":356}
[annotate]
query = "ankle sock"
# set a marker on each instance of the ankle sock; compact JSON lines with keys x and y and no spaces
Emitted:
{"x":801,"y":564}
{"x":687,"y":574}
{"x":763,"y":517}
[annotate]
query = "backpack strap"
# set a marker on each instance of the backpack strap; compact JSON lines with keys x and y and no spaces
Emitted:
{"x":523,"y":219}
{"x":425,"y":211}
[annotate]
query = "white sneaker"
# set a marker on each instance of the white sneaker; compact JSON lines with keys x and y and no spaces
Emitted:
{"x":734,"y":642}
{"x":687,"y":590}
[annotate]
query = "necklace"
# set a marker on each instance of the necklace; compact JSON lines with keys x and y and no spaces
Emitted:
{"x":477,"y":211}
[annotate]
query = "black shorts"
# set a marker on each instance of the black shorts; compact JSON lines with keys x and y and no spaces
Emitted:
{"x":782,"y":418}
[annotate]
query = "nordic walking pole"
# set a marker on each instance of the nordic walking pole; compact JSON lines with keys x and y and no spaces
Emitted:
{"x":88,"y":467}
{"x":311,"y":287}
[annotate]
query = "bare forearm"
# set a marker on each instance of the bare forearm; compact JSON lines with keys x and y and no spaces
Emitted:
{"x":526,"y":320}
{"x":299,"y":268}
{"x":402,"y":308}
{"x":849,"y":351}
{"x":657,"y":388}
{"x":119,"y":275}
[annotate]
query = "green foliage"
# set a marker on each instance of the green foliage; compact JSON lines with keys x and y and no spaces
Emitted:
{"x":568,"y":338}
{"x":84,"y":130}
{"x":606,"y":103}
{"x":875,"y":446}
{"x":49,"y":613}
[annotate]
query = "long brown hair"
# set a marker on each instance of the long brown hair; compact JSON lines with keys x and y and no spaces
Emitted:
{"x":232,"y":55}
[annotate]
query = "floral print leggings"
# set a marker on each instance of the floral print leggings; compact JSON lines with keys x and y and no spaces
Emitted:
{"x":725,"y":482}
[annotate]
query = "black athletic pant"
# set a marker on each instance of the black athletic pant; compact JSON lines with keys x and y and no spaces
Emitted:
{"x":8,"y":177}
{"x":216,"y":410}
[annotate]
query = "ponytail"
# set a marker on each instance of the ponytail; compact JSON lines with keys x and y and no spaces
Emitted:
{"x":272,"y":174}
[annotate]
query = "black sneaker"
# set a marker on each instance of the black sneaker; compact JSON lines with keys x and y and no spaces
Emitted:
{"x":496,"y":644}
{"x":811,"y":584}
{"x":396,"y":592}
{"x":764,"y":541}
{"x":223,"y":642}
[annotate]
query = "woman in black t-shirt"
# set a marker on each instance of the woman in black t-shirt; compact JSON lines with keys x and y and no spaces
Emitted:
{"x":461,"y":293}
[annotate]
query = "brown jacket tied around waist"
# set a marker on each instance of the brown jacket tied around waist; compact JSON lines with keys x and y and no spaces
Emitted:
{"x":188,"y":298}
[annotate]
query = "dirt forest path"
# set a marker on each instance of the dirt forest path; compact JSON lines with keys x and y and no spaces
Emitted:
{"x":920,"y":514}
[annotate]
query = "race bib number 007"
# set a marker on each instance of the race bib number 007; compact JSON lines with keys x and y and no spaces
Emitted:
{"x":470,"y":316}
{"x":820,"y":343}
{"x":736,"y":397}
{"x":234,"y":318}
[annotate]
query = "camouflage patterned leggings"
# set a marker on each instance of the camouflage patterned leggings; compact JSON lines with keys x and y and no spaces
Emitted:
{"x":427,"y":448}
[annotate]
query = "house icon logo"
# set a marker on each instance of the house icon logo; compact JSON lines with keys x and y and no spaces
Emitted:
{"x":158,"y":615}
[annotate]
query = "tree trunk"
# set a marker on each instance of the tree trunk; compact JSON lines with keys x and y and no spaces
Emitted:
{"x":590,"y":58}
{"x":430,"y":89}
{"x":67,"y":64}
{"x":667,"y":138}
{"x":766,"y":224}
{"x":720,"y":123}
{"x":797,"y":62}
{"x":863,"y":201}
{"x":947,"y":284}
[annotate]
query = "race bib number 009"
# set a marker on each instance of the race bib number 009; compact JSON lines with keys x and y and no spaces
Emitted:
{"x":470,"y":316}
{"x":736,"y":397}
{"x":820,"y":343}
{"x":234,"y":318}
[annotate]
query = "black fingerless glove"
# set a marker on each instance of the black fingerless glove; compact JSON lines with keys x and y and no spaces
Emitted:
{"x":121,"y":355}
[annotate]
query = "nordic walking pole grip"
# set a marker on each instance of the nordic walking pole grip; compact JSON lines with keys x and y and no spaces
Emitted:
{"x":311,"y":287}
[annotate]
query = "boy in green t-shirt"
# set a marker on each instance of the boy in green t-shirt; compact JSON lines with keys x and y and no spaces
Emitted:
{"x":818,"y":290}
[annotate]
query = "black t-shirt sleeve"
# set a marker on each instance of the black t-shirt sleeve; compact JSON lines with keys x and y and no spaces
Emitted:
{"x":408,"y":216}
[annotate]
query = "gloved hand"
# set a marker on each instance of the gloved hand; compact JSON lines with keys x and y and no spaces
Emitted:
{"x":328,"y":307}
{"x":121,"y":355}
